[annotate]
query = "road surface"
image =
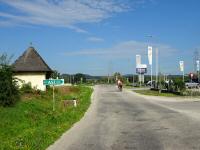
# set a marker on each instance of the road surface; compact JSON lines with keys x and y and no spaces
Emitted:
{"x":125,"y":121}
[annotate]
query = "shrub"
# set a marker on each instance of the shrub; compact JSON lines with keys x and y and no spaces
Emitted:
{"x":26,"y":88}
{"x":9,"y":93}
{"x":179,"y":85}
{"x":191,"y":93}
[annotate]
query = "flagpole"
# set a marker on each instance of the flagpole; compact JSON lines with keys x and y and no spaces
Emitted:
{"x":151,"y":76}
{"x":182,"y":68}
{"x":150,"y":53}
{"x":156,"y":67}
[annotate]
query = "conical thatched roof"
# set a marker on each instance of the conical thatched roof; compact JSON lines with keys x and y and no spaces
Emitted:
{"x":31,"y":61}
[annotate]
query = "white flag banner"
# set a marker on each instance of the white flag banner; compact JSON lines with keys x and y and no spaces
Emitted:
{"x":181,"y":65}
{"x":197,"y":64}
{"x":138,"y":60}
{"x":150,"y":55}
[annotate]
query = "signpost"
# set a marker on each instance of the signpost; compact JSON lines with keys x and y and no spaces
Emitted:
{"x":141,"y":69}
{"x":191,"y":76}
{"x":53,"y":82}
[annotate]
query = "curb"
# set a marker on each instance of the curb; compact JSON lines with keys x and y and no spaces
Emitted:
{"x":161,"y":98}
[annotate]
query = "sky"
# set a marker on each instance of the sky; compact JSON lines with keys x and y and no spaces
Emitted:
{"x":100,"y":37}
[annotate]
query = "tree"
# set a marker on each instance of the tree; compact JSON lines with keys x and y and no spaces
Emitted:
{"x":117,"y":75}
{"x":9,"y":93}
{"x":55,"y":74}
{"x":179,"y":85}
{"x":79,"y":78}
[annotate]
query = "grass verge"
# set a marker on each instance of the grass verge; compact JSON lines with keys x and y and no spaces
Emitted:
{"x":155,"y":93}
{"x":32,"y":125}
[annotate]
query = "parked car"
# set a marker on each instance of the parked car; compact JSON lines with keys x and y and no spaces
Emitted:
{"x":190,"y":85}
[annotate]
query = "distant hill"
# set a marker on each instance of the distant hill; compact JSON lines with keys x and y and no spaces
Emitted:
{"x":87,"y":76}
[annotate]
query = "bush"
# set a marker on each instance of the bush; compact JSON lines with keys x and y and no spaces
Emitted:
{"x":179,"y":85}
{"x":9,"y":93}
{"x":26,"y":88}
{"x":191,"y":93}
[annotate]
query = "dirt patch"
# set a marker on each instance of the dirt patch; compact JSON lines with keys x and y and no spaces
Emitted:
{"x":68,"y":89}
{"x":29,"y":96}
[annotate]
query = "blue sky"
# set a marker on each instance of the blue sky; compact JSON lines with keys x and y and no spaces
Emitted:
{"x":98,"y":37}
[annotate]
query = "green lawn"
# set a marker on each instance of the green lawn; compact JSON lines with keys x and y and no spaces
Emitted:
{"x":155,"y":93}
{"x":31,"y":123}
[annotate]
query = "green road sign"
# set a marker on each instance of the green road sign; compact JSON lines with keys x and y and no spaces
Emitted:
{"x":53,"y":82}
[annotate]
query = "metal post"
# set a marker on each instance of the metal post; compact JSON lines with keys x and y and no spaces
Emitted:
{"x":151,"y":75}
{"x":108,"y":79}
{"x":53,"y":99}
{"x":81,"y":80}
{"x":140,"y":77}
{"x":157,"y":67}
{"x":183,"y":76}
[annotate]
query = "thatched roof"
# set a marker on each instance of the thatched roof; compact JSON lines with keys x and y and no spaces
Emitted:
{"x":31,"y":61}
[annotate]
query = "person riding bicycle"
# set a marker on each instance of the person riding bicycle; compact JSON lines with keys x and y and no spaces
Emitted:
{"x":119,"y":84}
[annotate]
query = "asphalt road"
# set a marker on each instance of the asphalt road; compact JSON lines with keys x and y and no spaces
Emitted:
{"x":125,"y":121}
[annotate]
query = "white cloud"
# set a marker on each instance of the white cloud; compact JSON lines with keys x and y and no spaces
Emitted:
{"x":123,"y":52}
{"x":95,"y":39}
{"x":59,"y":13}
{"x":125,"y":49}
{"x":122,"y":56}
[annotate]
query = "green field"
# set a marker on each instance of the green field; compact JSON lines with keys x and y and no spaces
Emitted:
{"x":31,"y":123}
{"x":155,"y":93}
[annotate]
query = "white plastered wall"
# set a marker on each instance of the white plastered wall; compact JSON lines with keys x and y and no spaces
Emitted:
{"x":36,"y":79}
